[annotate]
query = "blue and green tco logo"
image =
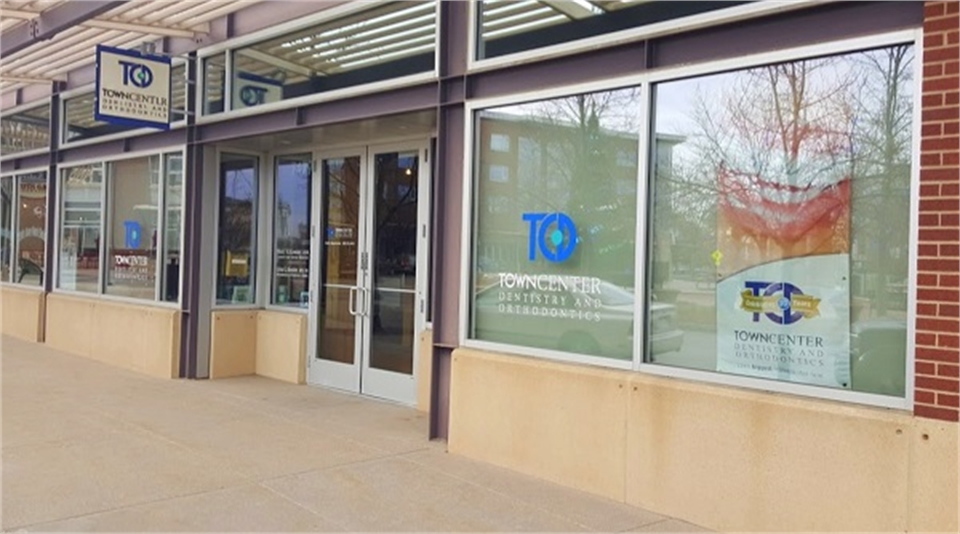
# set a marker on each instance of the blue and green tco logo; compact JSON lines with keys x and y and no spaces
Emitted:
{"x":251,"y":95}
{"x":136,"y":74}
{"x":553,"y":234}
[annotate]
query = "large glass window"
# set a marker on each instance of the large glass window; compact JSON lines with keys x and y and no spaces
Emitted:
{"x":136,"y":192}
{"x":780,"y":221}
{"x":79,"y":262}
{"x":133,"y":198}
{"x":24,"y":131}
{"x":553,"y":256}
{"x":215,"y":75}
{"x":291,"y":231}
{"x":387,"y":40}
{"x":237,"y":229}
{"x":510,"y":26}
{"x":31,"y":229}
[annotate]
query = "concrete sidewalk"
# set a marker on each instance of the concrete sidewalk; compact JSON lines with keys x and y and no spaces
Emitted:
{"x":90,"y":447}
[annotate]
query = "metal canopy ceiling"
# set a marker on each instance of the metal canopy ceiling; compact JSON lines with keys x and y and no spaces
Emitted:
{"x":388,"y":32}
{"x":73,"y":28}
{"x":508,"y":17}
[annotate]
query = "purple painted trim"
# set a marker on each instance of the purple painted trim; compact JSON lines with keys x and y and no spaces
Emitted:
{"x":402,"y":100}
{"x":105,"y":150}
{"x":440,"y":393}
{"x":159,"y":141}
{"x":594,"y":65}
{"x":53,"y":190}
{"x":29,"y":162}
{"x":453,"y":25}
{"x":191,"y":217}
{"x":447,"y":195}
{"x":804,"y":27}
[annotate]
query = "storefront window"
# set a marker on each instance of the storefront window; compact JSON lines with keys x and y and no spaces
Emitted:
{"x":780,"y":222}
{"x":173,"y":199}
{"x":291,"y":231}
{"x":214,"y":73}
{"x":508,"y":26}
{"x":27,"y":130}
{"x":31,"y":234}
{"x":132,"y":198}
{"x":237,"y":226}
{"x":553,"y":256}
{"x":388,"y":40}
{"x":132,"y":189}
{"x":79,"y":262}
{"x":6,"y":228}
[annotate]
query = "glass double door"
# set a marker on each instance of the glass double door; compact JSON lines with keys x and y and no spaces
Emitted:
{"x":370,"y":277}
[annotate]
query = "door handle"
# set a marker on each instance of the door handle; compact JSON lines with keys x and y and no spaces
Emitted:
{"x":366,"y":302}
{"x":351,"y":304}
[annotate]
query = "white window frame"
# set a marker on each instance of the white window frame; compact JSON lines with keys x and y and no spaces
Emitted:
{"x":100,"y":294}
{"x":228,"y":47}
{"x":15,"y":226}
{"x":646,"y":80}
{"x":259,"y":241}
{"x":650,"y":31}
{"x":134,"y":132}
{"x":21,"y":109}
{"x":271,"y":195}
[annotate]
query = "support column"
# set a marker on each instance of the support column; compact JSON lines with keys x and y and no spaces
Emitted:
{"x":192,"y":353}
{"x":448,"y":211}
{"x":50,"y":254}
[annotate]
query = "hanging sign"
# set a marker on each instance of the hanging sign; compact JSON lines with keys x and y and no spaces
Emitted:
{"x":133,"y":89}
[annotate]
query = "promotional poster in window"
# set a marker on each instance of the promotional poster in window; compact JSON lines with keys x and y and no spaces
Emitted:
{"x":783,"y":258}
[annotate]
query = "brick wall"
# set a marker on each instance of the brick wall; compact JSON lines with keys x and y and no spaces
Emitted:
{"x":938,"y":279}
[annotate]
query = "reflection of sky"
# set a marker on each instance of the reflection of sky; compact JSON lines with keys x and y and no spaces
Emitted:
{"x":293,"y":190}
{"x":675,"y":103}
{"x":239,"y":184}
{"x":621,"y":114}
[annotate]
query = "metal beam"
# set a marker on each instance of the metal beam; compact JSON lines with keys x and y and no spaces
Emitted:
{"x":122,"y":25}
{"x":568,"y":8}
{"x":32,"y":79}
{"x":52,"y":22}
{"x":263,"y":57}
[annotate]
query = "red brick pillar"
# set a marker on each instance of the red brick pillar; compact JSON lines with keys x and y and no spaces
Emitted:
{"x":938,"y":278}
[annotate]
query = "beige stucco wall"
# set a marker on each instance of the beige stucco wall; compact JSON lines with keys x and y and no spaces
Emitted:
{"x":282,"y":345}
{"x":725,"y":458}
{"x":424,"y":370}
{"x":145,"y":339}
{"x":22,"y":312}
{"x":233,"y":343}
{"x":263,"y":342}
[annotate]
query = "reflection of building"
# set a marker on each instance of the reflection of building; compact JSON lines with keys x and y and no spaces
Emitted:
{"x":544,"y":163}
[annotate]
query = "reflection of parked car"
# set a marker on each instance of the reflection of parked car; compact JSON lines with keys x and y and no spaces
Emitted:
{"x":597,"y":323}
{"x":877,"y":356}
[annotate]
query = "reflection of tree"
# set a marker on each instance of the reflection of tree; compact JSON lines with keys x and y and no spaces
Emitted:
{"x":881,"y":190}
{"x":793,"y":133}
{"x":236,"y":226}
{"x":578,"y":155}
